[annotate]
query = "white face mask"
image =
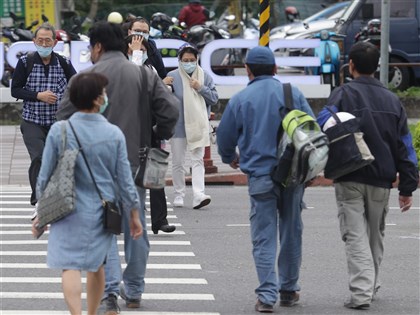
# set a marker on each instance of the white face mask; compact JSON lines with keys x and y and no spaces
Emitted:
{"x":145,"y":35}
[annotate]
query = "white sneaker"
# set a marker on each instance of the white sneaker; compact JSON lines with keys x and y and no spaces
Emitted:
{"x":178,"y":202}
{"x":201,"y":201}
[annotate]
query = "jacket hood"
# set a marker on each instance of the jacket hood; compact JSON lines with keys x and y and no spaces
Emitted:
{"x":196,"y":7}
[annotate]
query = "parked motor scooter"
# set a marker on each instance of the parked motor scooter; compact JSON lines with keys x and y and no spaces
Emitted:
{"x":328,"y":52}
{"x":18,"y":32}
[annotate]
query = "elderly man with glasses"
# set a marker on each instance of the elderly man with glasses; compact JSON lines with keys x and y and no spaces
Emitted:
{"x":40,"y":80}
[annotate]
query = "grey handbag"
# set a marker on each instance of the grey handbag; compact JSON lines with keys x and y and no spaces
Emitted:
{"x":58,"y":198}
{"x":152,"y":168}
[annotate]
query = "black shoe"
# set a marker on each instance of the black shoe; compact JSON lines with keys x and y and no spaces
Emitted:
{"x":288,"y":298}
{"x":130,"y":303}
{"x":351,"y":305}
{"x":165,"y":228}
{"x":111,"y":305}
{"x":263,"y":308}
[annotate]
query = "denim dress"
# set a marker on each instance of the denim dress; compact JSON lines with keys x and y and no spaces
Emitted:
{"x":79,"y":241}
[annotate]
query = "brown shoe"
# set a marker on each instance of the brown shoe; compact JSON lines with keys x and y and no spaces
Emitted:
{"x":288,"y":298}
{"x":263,"y":308}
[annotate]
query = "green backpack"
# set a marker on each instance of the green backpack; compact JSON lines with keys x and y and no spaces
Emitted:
{"x":302,"y":146}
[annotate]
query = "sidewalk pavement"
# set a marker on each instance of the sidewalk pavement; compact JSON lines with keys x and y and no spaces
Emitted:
{"x":14,"y":163}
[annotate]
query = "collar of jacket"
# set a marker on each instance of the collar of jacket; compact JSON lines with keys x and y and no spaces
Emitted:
{"x":366,"y":79}
{"x":113,"y":54}
{"x":260,"y":77}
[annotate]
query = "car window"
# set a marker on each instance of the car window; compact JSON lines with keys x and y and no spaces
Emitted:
{"x":403,"y":9}
{"x":399,"y":8}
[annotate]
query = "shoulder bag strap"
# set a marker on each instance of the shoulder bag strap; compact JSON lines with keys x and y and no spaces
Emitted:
{"x":145,"y":117}
{"x":87,"y":164}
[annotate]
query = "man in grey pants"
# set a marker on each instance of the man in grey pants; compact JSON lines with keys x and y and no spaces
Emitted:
{"x":363,"y":195}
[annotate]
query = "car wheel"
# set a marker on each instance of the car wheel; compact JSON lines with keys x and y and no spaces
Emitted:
{"x":399,"y":77}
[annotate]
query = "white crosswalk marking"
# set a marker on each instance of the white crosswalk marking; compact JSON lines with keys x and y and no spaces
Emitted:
{"x":26,"y":277}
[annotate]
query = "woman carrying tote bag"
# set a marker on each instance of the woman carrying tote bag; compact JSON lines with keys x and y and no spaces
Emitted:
{"x":79,"y":241}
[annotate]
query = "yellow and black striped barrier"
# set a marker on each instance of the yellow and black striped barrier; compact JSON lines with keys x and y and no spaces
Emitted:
{"x":264,"y":22}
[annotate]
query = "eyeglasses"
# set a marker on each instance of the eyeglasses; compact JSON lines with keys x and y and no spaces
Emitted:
{"x":44,"y":41}
{"x":140,"y":31}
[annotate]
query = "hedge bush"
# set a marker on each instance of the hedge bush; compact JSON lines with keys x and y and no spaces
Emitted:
{"x":416,"y":142}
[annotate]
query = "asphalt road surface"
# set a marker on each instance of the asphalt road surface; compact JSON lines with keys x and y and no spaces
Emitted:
{"x":206,"y":267}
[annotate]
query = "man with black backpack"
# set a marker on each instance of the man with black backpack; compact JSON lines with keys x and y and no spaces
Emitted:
{"x":251,"y":122}
{"x":40,"y":79}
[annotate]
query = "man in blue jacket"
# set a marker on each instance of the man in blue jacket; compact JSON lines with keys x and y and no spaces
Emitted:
{"x":363,"y":196}
{"x":251,"y":121}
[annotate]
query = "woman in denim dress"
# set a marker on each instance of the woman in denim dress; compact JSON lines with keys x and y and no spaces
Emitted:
{"x":78,"y":241}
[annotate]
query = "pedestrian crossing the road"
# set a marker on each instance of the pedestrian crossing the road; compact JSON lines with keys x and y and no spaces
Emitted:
{"x":174,"y":277}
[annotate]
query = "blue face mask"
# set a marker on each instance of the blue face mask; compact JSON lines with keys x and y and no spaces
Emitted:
{"x":104,"y":105}
{"x":145,"y":35}
{"x":189,"y":67}
{"x":44,"y":51}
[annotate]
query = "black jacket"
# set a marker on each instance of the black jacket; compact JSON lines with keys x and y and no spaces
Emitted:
{"x":383,"y":121}
{"x":155,"y":59}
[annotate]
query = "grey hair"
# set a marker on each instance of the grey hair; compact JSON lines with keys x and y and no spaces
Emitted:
{"x":47,"y":27}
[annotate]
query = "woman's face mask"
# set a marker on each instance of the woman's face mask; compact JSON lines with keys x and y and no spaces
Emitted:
{"x":44,"y":51}
{"x":103,"y":107}
{"x":189,"y":67}
{"x":144,"y":57}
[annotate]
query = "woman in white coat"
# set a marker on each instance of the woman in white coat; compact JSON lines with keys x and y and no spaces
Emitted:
{"x":197,"y":92}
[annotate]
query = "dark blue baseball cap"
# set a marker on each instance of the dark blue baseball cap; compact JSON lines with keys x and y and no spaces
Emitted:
{"x":260,"y":55}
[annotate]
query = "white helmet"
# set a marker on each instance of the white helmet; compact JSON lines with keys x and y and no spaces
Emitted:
{"x":115,"y":17}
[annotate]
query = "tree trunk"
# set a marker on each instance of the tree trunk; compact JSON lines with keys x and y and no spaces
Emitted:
{"x":93,"y":10}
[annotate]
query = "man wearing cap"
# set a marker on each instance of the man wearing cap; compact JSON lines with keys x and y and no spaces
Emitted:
{"x":250,"y":122}
{"x":193,"y":14}
{"x":196,"y":91}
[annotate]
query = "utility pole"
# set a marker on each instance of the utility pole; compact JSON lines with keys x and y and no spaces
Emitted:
{"x":264,"y":22}
{"x":385,"y":13}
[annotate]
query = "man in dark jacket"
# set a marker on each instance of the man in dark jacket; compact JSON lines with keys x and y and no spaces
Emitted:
{"x":140,"y":26}
{"x":363,"y":195}
{"x":126,"y":98}
{"x":193,"y":14}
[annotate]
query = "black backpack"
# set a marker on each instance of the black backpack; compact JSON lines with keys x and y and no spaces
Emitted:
{"x":30,"y":59}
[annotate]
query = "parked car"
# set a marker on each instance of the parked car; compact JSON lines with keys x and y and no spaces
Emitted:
{"x":323,"y":19}
{"x":404,"y":35}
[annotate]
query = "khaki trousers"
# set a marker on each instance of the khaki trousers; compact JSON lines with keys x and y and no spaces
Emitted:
{"x":361,"y":212}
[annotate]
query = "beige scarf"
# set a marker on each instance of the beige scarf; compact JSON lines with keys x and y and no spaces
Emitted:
{"x":195,"y":110}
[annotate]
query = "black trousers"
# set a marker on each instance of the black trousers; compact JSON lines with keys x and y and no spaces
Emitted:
{"x":34,"y":137}
{"x":158,"y":208}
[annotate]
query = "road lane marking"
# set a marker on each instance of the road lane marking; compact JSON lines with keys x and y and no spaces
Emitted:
{"x":121,"y":242}
{"x":144,"y":296}
{"x":44,"y":253}
{"x":148,"y":266}
{"x":147,"y":280}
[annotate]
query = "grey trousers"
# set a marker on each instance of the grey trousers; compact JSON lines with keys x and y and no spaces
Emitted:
{"x":361,"y":212}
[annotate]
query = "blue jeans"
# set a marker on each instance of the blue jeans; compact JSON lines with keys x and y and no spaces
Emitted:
{"x":136,"y":255}
{"x":275,"y":209}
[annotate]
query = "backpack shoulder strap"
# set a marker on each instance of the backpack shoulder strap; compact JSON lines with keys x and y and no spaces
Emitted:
{"x":30,"y":60}
{"x":288,"y":102}
{"x":65,"y":65}
{"x":288,"y":96}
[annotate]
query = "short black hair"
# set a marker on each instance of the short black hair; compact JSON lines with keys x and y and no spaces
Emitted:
{"x":85,"y":88}
{"x":190,"y":50}
{"x":258,"y":69}
{"x":145,"y":43}
{"x":365,"y":57}
{"x":109,"y":35}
